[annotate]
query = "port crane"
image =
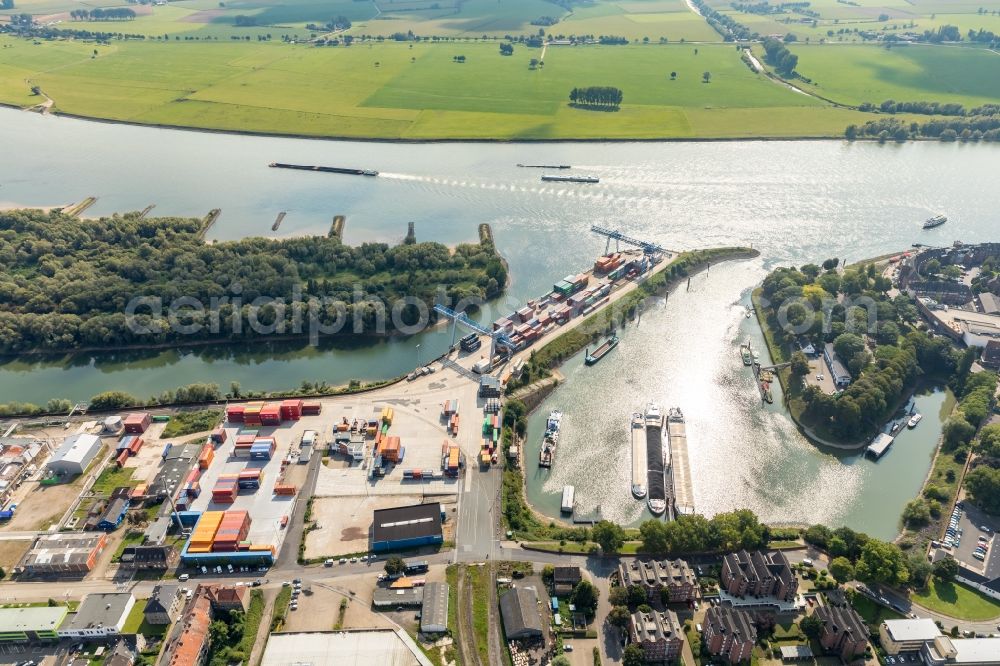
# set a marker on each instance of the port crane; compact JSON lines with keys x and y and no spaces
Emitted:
{"x":498,"y":337}
{"x":618,"y":237}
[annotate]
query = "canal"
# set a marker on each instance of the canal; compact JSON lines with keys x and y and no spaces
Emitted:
{"x":794,"y":201}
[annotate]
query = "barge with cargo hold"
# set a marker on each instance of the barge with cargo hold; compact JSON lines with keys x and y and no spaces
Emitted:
{"x":568,"y":499}
{"x":680,"y":471}
{"x":602,"y":351}
{"x":571,"y":179}
{"x":638,"y":457}
{"x":550,"y":439}
{"x":324,"y":169}
{"x":655,"y":460}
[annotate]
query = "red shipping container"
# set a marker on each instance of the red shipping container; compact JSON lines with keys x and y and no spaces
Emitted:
{"x":122,"y":457}
{"x":312,"y":408}
{"x":245,"y":439}
{"x":219,"y":435}
{"x":137,"y":422}
{"x":234,"y":413}
{"x":133,"y":448}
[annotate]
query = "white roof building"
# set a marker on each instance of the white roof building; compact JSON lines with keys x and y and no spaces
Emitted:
{"x":907,"y":635}
{"x":75,"y":454}
{"x":385,"y":647}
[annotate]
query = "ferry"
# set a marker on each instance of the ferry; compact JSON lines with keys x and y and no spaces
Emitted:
{"x":638,"y":457}
{"x":747,"y":358}
{"x":568,"y":500}
{"x":655,"y":469}
{"x":935,"y":221}
{"x":550,"y":439}
{"x":914,"y":420}
{"x":601,"y":351}
{"x":571,"y":179}
{"x":324,"y":169}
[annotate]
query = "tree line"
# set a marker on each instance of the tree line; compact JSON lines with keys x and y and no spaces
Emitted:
{"x":601,"y":96}
{"x":778,"y":56}
{"x":971,"y":128}
{"x":101,"y":14}
{"x":729,"y":28}
{"x":67,"y":282}
{"x":930,"y":108}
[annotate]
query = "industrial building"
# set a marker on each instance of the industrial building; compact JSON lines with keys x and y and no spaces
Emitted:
{"x":907,"y":635}
{"x":407,"y":527}
{"x":31,"y":624}
{"x":63,"y":553}
{"x":945,"y":651}
{"x":387,"y":647}
{"x":521,"y":617}
{"x":434,"y":612}
{"x":408,"y":597}
{"x":74,"y":454}
{"x":99,"y":615}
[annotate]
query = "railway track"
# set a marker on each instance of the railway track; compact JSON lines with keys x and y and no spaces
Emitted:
{"x":466,"y":633}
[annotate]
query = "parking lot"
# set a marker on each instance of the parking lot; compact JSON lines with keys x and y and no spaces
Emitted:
{"x":969,"y":523}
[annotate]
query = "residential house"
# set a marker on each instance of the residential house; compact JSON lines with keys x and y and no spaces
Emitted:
{"x":226,"y":597}
{"x":839,"y":373}
{"x":759,"y":574}
{"x":675,"y":576}
{"x":148,"y":557}
{"x":844,"y":633}
{"x":728,"y":633}
{"x":164,"y":605}
{"x":188,"y":643}
{"x":660,"y":635}
{"x":565,"y":579}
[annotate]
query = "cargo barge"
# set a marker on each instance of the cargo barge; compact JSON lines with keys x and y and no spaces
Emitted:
{"x":568,"y":499}
{"x":571,"y":179}
{"x":324,"y":169}
{"x":601,"y":351}
{"x":550,"y":439}
{"x":544,"y":166}
{"x":638,"y":457}
{"x":655,"y":460}
{"x":680,"y":470}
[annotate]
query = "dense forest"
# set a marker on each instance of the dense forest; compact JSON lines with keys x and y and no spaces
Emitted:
{"x":67,"y":283}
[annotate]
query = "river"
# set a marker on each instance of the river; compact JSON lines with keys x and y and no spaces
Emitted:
{"x":795,"y":201}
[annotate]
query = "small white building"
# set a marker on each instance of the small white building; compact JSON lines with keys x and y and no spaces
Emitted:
{"x":74,"y":454}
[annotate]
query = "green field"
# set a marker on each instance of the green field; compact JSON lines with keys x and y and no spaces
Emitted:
{"x":957,"y":601}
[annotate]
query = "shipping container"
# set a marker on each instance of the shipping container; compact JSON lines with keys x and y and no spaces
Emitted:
{"x":122,"y":457}
{"x":134,"y":447}
{"x":206,"y":456}
{"x":291,"y":410}
{"x":280,"y":489}
{"x":235,"y":413}
{"x":137,"y":422}
{"x":219,"y":435}
{"x":166,"y":450}
{"x":311,"y":408}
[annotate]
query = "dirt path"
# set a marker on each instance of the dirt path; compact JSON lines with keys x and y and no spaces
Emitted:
{"x":466,"y":634}
{"x":496,"y":641}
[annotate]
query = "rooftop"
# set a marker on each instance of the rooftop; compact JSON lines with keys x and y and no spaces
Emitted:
{"x":75,"y":448}
{"x":920,"y":629}
{"x":435,"y":609}
{"x":62,"y":548}
{"x":384,"y":647}
{"x":100,"y":610}
{"x":407,"y":522}
{"x":32,"y":618}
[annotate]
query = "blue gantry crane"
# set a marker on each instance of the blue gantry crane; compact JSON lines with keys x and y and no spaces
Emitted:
{"x":498,"y":337}
{"x":618,"y":237}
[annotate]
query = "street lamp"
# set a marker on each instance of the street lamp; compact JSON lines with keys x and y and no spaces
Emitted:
{"x":418,"y":355}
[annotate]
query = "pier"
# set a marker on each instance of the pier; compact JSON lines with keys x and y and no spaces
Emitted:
{"x":277,"y":222}
{"x":337,"y":229}
{"x":879,"y":445}
{"x":680,"y":469}
{"x":209,"y":220}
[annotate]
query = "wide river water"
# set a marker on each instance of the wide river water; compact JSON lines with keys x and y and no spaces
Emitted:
{"x":794,"y":201}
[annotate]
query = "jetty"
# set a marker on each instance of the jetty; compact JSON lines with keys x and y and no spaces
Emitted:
{"x":324,"y":169}
{"x":337,"y":229}
{"x":277,"y":222}
{"x":879,"y":445}
{"x":209,"y":220}
{"x":76,"y":210}
{"x":680,"y":469}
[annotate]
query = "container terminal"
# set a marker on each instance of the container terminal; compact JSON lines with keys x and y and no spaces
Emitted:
{"x":680,"y":470}
{"x":638,"y":456}
{"x":656,"y":460}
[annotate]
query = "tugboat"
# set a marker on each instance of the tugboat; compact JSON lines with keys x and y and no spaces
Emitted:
{"x":550,"y":439}
{"x":935,"y":221}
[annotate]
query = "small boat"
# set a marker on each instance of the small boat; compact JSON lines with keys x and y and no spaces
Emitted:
{"x":756,"y":356}
{"x":601,"y":351}
{"x":571,"y":179}
{"x":914,"y":420}
{"x":568,"y":499}
{"x":545,"y":166}
{"x":935,"y":221}
{"x":550,"y":439}
{"x":894,"y":429}
{"x":749,"y":312}
{"x":747,"y":359}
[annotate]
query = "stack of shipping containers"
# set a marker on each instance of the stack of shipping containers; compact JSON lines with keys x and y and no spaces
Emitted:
{"x":226,"y":489}
{"x":204,"y":532}
{"x":262,"y":449}
{"x":233,"y":531}
{"x":137,"y":423}
{"x":250,"y":479}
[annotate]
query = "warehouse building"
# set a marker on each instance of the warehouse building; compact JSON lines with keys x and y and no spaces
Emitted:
{"x":407,"y":597}
{"x":434,"y":612}
{"x":73,"y":553}
{"x":74,"y":454}
{"x":99,"y":615}
{"x":521,"y":617}
{"x":31,"y":624}
{"x":390,"y":647}
{"x":407,"y":527}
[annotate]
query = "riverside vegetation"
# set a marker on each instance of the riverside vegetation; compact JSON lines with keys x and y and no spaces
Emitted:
{"x":67,"y":282}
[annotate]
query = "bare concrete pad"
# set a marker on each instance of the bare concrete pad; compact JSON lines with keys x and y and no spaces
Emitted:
{"x":343,"y":522}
